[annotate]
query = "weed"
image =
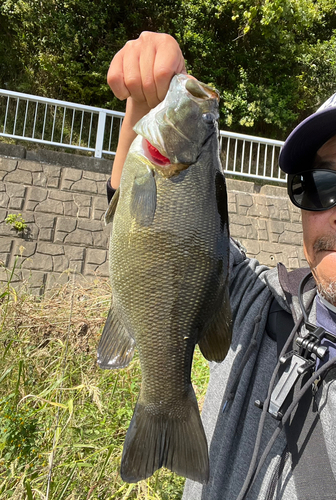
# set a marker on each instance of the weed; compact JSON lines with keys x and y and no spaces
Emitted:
{"x":18,"y":432}
{"x":41,"y":378}
{"x":16,"y":221}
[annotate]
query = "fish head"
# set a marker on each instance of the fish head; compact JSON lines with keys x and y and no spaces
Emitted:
{"x":175,"y":131}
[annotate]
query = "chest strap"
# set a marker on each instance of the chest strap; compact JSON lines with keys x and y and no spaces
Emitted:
{"x":313,"y":476}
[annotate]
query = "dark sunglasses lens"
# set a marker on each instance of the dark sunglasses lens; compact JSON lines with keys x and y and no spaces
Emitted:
{"x":314,"y":190}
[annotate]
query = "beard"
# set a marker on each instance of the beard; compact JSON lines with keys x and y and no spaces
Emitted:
{"x":328,"y":292}
{"x":326,"y":286}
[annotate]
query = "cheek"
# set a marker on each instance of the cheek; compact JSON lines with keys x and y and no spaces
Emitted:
{"x":309,"y":234}
{"x":326,"y":268}
{"x":314,"y":226}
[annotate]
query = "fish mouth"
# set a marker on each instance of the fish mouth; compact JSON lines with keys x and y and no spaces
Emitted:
{"x":153,"y":145}
{"x":161,"y":163}
{"x":153,"y":154}
{"x":167,"y":141}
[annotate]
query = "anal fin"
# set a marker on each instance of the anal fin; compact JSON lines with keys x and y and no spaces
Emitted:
{"x":116,"y":346}
{"x":215,"y":341}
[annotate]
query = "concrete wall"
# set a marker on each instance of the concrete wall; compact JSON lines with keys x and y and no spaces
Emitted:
{"x":64,"y":207}
{"x":264,"y":220}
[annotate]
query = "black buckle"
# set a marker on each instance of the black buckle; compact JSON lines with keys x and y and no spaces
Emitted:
{"x":298,"y":365}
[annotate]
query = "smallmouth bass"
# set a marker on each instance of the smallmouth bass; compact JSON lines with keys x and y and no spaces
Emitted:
{"x":169,"y":258}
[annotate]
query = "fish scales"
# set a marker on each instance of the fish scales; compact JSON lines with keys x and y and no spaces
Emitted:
{"x":169,"y":281}
{"x":173,"y":298}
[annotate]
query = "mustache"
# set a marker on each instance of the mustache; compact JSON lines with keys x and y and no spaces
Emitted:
{"x":325,"y":243}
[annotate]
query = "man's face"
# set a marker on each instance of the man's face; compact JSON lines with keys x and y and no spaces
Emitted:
{"x":319,"y":233}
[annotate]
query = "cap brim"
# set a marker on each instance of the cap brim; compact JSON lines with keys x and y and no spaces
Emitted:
{"x":301,"y":146}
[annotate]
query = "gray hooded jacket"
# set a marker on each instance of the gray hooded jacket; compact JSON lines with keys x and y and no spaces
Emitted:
{"x":229,"y":414}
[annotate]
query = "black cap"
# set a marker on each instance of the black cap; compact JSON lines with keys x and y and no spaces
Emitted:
{"x":301,"y":146}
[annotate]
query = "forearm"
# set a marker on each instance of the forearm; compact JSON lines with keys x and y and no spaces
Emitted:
{"x":134,"y":111}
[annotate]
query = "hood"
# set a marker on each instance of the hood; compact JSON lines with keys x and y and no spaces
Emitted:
{"x":284,"y":286}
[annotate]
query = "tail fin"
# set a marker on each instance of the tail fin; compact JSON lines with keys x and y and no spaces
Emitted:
{"x":175,"y":440}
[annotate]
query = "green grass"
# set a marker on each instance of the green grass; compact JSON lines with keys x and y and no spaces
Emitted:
{"x":58,"y":408}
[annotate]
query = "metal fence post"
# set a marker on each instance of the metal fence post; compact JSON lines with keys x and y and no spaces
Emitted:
{"x":100,"y":134}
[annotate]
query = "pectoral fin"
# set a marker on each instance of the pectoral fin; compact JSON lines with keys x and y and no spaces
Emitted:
{"x":216,"y":339}
{"x":109,"y":214}
{"x":116,"y":346}
{"x":143,"y":202}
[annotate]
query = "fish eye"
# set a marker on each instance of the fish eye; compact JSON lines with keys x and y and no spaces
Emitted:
{"x":209,"y":118}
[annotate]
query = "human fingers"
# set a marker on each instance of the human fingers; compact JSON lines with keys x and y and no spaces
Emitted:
{"x":124,"y":73}
{"x":160,"y":59}
{"x":115,"y":77}
{"x":146,"y":67}
{"x":169,"y":61}
{"x":143,"y":68}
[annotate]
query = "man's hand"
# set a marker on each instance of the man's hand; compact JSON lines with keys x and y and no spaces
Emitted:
{"x":141,"y":72}
{"x":143,"y":68}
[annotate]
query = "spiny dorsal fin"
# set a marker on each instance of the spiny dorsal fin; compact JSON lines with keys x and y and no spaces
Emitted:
{"x":221,"y":199}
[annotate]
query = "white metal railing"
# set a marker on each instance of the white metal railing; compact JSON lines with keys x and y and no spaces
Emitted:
{"x":69,"y":125}
{"x":59,"y":123}
{"x":250,"y":156}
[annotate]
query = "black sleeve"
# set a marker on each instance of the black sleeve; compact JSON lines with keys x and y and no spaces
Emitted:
{"x":109,"y":190}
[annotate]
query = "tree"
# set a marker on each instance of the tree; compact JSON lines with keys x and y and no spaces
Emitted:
{"x":274,"y":61}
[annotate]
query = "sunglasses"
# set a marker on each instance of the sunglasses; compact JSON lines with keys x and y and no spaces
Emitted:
{"x":313,"y":190}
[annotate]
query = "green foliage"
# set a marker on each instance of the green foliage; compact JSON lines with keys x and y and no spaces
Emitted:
{"x":274,"y":61}
{"x":19,"y":437}
{"x":16,"y":221}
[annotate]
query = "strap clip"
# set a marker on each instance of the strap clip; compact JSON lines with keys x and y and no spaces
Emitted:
{"x":296,"y":367}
